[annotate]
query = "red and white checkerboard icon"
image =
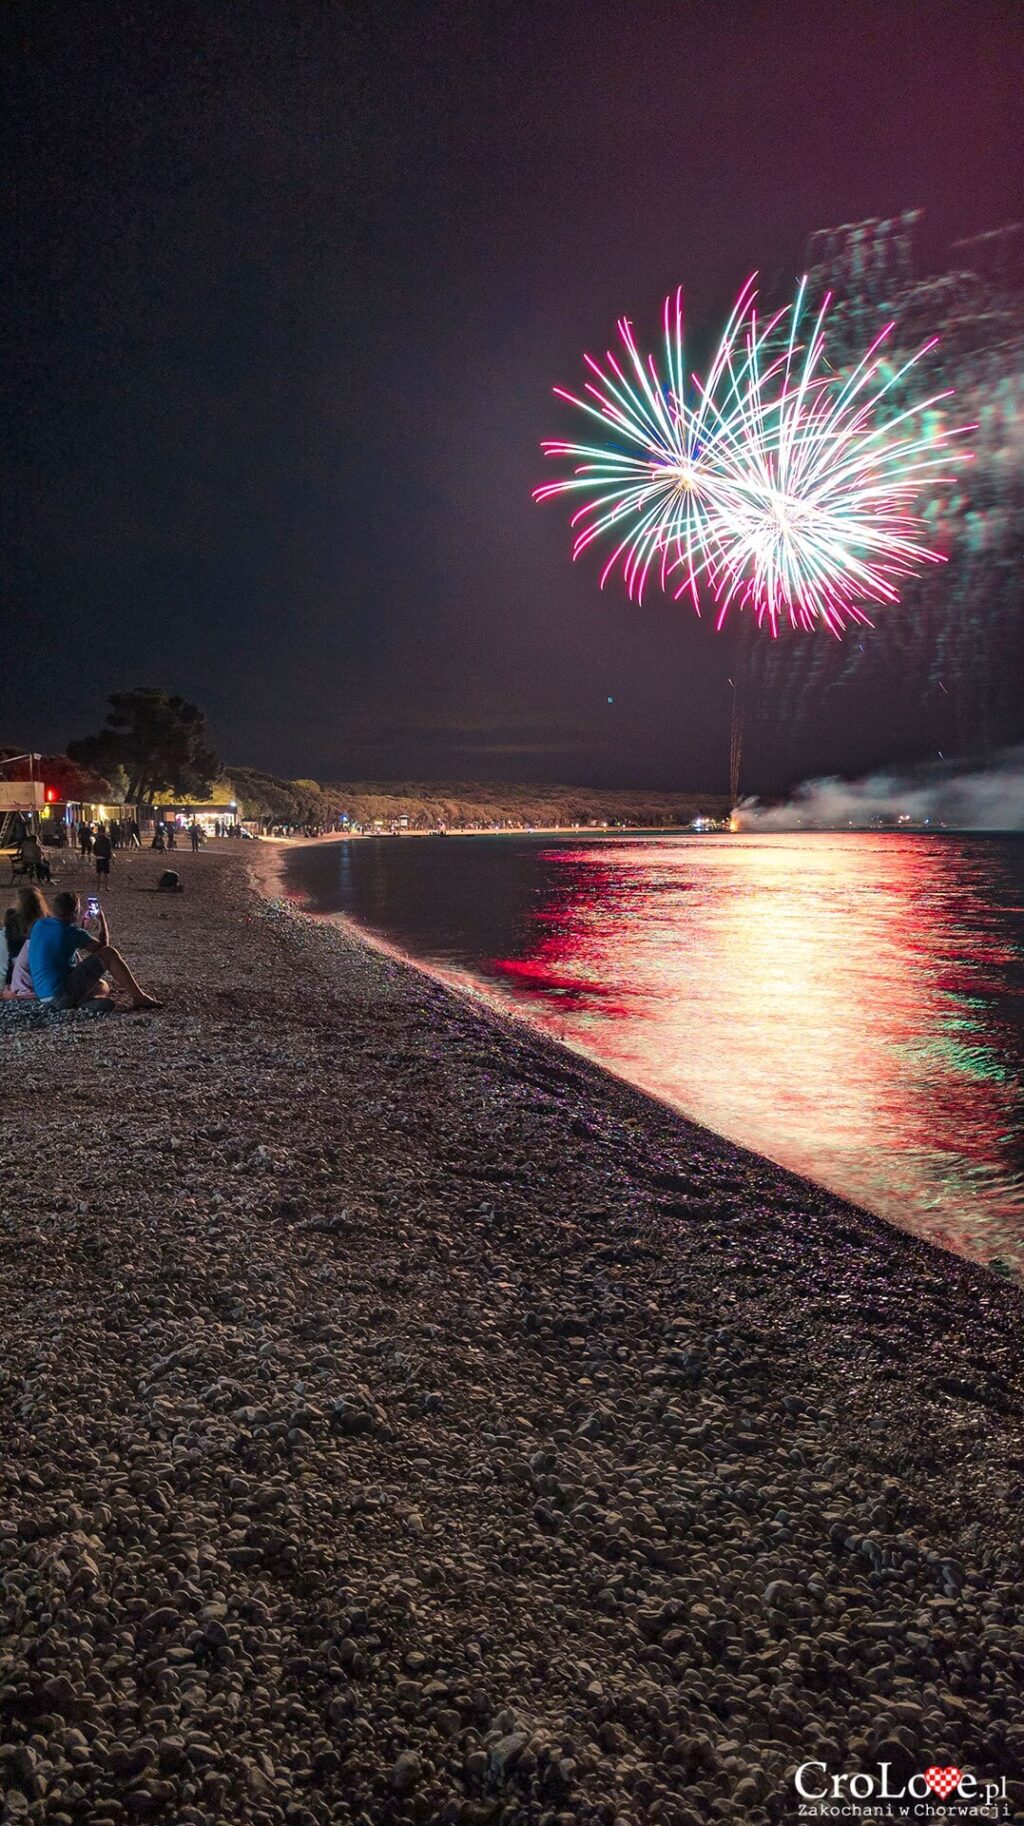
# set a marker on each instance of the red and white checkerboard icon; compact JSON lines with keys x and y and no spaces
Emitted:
{"x":943,"y":1781}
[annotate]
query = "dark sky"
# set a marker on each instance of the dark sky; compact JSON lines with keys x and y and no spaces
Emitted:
{"x":286,"y":288}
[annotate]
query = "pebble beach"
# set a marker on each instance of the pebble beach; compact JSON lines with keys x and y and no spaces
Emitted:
{"x":404,"y":1421}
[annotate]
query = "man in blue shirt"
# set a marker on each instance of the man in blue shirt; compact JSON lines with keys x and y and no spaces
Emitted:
{"x":54,"y":944}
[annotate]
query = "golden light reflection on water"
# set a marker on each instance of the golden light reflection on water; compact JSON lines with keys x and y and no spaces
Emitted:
{"x":850,"y":1006}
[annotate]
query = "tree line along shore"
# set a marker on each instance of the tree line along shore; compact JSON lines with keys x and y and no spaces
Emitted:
{"x":473,"y":805}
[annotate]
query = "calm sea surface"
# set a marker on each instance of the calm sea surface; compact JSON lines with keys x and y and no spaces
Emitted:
{"x":852,"y":1006}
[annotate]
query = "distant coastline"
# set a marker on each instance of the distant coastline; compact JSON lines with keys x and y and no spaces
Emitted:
{"x":462,"y":804}
{"x":508,"y":830}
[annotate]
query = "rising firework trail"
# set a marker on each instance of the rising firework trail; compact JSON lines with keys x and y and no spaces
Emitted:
{"x":775,"y":484}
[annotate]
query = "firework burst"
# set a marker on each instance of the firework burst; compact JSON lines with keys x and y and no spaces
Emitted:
{"x":649,"y":485}
{"x":775,"y":485}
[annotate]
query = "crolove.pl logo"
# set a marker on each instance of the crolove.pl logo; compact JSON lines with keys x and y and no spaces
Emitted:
{"x":939,"y":1792}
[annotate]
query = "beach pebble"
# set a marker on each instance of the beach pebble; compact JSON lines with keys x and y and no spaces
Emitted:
{"x":406,"y":1771}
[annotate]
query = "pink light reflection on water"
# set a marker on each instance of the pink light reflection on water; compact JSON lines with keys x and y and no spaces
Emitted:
{"x":837,"y":1003}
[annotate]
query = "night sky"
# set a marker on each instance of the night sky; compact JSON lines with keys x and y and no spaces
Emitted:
{"x":286,"y":287}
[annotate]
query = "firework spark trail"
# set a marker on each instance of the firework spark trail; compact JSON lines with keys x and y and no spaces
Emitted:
{"x":658,"y":482}
{"x":775,"y":482}
{"x":822,"y":514}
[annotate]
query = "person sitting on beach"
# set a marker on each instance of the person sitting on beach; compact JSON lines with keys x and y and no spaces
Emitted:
{"x":55,"y":944}
{"x":102,"y":849}
{"x":33,"y":860}
{"x":18,"y":924}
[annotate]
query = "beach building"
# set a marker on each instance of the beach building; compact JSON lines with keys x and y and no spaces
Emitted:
{"x":54,"y":791}
{"x":207,"y":813}
{"x":223,"y":807}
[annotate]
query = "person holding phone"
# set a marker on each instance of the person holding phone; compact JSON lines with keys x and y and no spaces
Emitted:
{"x":62,"y":976}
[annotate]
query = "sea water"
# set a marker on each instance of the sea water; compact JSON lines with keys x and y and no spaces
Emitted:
{"x":851,"y":1005}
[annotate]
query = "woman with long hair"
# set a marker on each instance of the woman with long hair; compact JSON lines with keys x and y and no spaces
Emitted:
{"x":31,"y":906}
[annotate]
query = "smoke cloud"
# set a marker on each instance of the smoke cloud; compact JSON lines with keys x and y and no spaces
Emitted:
{"x":985,"y":796}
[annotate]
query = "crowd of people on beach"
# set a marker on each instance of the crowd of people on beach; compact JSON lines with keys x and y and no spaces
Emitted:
{"x":98,"y":842}
{"x":80,"y":834}
{"x":120,"y":833}
{"x":95,"y":842}
{"x":165,"y":837}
